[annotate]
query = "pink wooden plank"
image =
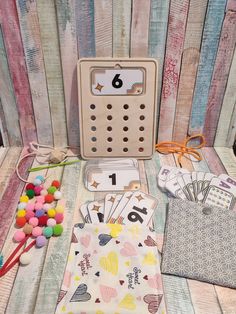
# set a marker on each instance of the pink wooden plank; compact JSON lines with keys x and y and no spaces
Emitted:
{"x":174,"y":48}
{"x":11,"y":197}
{"x":231,"y":5}
{"x":16,"y":58}
{"x":213,"y":160}
{"x":220,"y":76}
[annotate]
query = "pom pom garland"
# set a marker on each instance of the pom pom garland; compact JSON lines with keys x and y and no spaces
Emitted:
{"x":57,"y":230}
{"x":20,"y":221}
{"x":24,"y":199}
{"x":29,"y":206}
{"x":51,"y":213}
{"x":49,"y":198}
{"x":43,"y":220}
{"x":57,"y":195}
{"x":21,"y":213}
{"x":52,"y":190}
{"x":29,"y":186}
{"x":56,"y":183}
{"x":41,"y":241}
{"x":38,"y":189}
{"x":21,"y":205}
{"x":48,"y":232}
{"x":37,"y":182}
{"x":41,"y":178}
{"x":30,"y":193}
{"x":19,"y":236}
{"x":25,"y":258}
{"x":37,"y":231}
{"x":51,"y":222}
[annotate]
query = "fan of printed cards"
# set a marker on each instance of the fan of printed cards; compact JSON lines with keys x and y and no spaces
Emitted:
{"x":200,"y":187}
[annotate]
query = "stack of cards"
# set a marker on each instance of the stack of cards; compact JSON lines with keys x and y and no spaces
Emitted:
{"x":128,"y":208}
{"x":200,"y":187}
{"x":112,"y":175}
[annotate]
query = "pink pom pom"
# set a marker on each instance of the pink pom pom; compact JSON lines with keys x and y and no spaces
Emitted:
{"x":59,"y":218}
{"x":29,"y":214}
{"x":19,"y":236}
{"x":34,"y":221}
{"x":38,"y":189}
{"x":43,"y":192}
{"x":37,"y":231}
{"x":51,"y":222}
{"x":47,"y":206}
{"x":38,"y":206}
{"x":30,"y":206}
{"x":40,"y":199}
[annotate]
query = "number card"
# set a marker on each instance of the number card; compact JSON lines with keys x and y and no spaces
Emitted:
{"x":117,"y":107}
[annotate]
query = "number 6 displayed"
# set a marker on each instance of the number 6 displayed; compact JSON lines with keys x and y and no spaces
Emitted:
{"x":117,"y":82}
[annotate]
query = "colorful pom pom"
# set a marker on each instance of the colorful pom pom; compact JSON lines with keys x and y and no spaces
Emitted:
{"x":30,"y":193}
{"x":37,"y":231}
{"x":57,"y":230}
{"x":59,"y":218}
{"x":56,"y":183}
{"x":38,"y":206}
{"x":29,"y":214}
{"x":25,"y":258}
{"x":21,"y":205}
{"x":19,"y":236}
{"x":60,"y":209}
{"x":52,"y":190}
{"x":24,"y":199}
{"x":21,"y":213}
{"x":33,"y":221}
{"x":37,"y":182}
{"x":49,"y":198}
{"x":48,"y":232}
{"x":40,"y":199}
{"x":20,"y":221}
{"x":57,"y":195}
{"x":39,"y":213}
{"x":51,"y":213}
{"x":44,"y":192}
{"x":38,"y":189}
{"x":41,"y":178}
{"x":47,"y":206}
{"x":27,"y":229}
{"x":29,"y":206}
{"x":41,"y":241}
{"x":29,"y":186}
{"x":51,"y":222}
{"x":43,"y":220}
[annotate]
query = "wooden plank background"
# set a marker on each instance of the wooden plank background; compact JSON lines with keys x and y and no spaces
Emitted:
{"x":193,"y":41}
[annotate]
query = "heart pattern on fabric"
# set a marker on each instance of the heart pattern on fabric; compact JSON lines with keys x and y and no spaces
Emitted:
{"x":150,"y":242}
{"x":128,"y":302}
{"x":61,"y":295}
{"x":104,"y":239}
{"x":121,"y":282}
{"x":153,"y":301}
{"x":80,"y":225}
{"x":155,"y":281}
{"x":115,"y":230}
{"x":110,"y":263}
{"x":73,"y":238}
{"x":97,"y":273}
{"x":128,"y":250}
{"x":81,"y":294}
{"x":85,"y":240}
{"x":107,"y":293}
{"x":97,"y":300}
{"x":149,"y":259}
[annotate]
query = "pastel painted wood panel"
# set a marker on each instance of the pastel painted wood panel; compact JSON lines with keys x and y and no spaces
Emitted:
{"x":18,"y":70}
{"x":220,"y":76}
{"x":9,"y":113}
{"x":174,"y":48}
{"x":3,"y":126}
{"x":190,"y":60}
{"x":121,"y":28}
{"x":58,"y":248}
{"x":209,"y":45}
{"x":157,"y":40}
{"x":232,"y":129}
{"x":30,"y":33}
{"x":226,"y":120}
{"x":68,"y":47}
{"x":52,"y":62}
{"x":139,"y":28}
{"x":84,"y":12}
{"x":103,"y":27}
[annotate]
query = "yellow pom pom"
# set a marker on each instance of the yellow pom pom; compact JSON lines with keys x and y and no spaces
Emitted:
{"x":51,"y":213}
{"x":60,"y":209}
{"x":21,"y":213}
{"x":24,"y":199}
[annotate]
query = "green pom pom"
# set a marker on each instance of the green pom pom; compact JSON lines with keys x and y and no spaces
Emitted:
{"x":48,"y":232}
{"x":30,"y":193}
{"x":52,"y":190}
{"x":57,"y":230}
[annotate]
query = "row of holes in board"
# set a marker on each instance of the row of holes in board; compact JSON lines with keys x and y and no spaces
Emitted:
{"x":110,"y":139}
{"x":109,"y":128}
{"x":109,"y":106}
{"x":109,"y":118}
{"x":109,"y":149}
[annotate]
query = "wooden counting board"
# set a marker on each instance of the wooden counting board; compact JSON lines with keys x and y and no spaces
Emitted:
{"x":117,"y":106}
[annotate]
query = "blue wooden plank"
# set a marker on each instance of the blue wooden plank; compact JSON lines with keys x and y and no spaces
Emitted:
{"x":157,"y":38}
{"x":210,"y":40}
{"x":84,"y":12}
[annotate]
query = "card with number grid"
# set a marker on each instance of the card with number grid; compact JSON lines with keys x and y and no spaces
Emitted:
{"x":118,"y":100}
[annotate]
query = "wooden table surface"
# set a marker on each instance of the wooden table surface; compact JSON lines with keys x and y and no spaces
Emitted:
{"x":35,"y":287}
